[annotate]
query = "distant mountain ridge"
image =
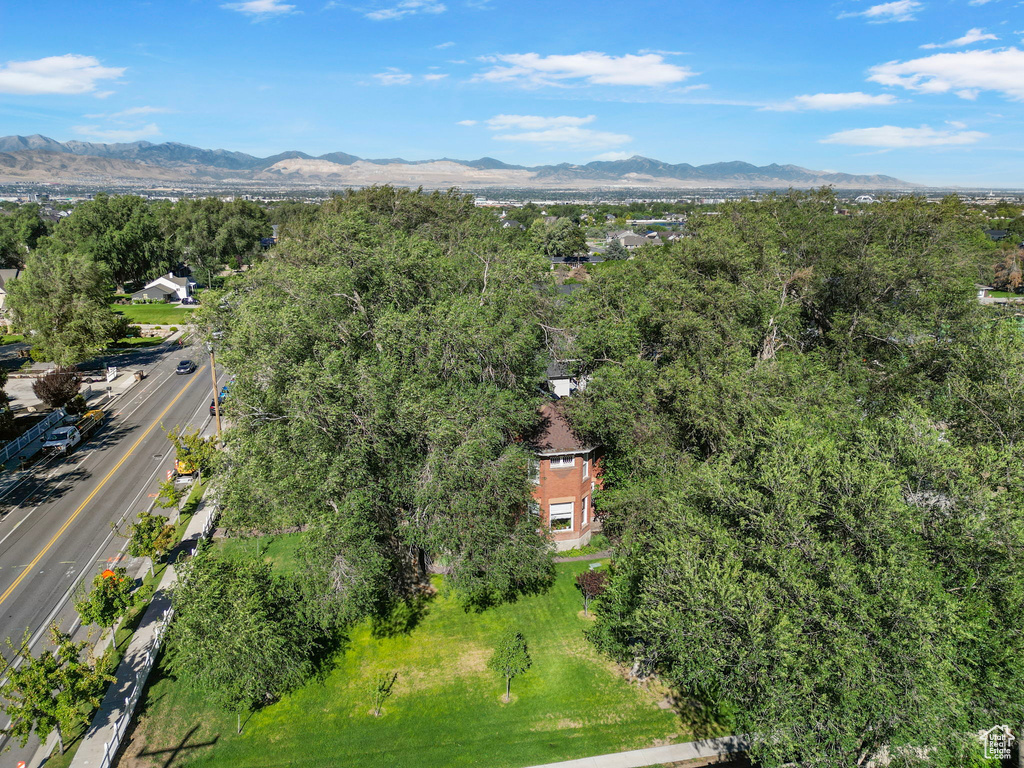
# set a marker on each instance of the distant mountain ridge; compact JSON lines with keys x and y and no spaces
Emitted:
{"x":27,"y":156}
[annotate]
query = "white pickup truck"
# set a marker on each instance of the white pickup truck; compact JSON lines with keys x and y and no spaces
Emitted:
{"x":62,"y":440}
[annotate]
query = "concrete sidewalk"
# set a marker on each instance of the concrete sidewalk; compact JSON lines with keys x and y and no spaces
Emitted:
{"x":726,"y":747}
{"x":137,"y":661}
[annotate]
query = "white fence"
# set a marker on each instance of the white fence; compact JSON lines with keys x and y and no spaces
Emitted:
{"x":111,"y":747}
{"x":12,"y":447}
{"x":121,"y":725}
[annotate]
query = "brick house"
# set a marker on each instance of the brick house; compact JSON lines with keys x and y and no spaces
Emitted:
{"x":566,"y":472}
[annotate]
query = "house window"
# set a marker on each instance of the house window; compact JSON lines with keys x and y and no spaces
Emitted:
{"x":562,"y":462}
{"x":586,"y":466}
{"x":535,"y":471}
{"x":560,"y":516}
{"x":534,"y":507}
{"x":586,"y":510}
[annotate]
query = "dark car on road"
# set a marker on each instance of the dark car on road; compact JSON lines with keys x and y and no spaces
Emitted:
{"x":185,"y":366}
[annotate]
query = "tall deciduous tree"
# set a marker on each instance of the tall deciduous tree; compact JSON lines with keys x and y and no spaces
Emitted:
{"x":54,"y":691}
{"x":811,"y":473}
{"x":122,"y":232}
{"x":387,"y":362}
{"x":60,"y":303}
{"x":562,"y":239}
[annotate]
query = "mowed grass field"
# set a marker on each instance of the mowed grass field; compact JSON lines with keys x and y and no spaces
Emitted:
{"x":154,"y":314}
{"x":447,"y":707}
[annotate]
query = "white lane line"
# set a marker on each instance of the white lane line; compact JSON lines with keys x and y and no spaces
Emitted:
{"x":16,"y":527}
{"x":89,"y":450}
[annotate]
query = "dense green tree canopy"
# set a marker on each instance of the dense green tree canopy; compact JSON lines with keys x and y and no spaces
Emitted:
{"x":121,"y":232}
{"x":386,"y":364}
{"x":60,"y":302}
{"x":813,"y":469}
{"x":238,"y":636}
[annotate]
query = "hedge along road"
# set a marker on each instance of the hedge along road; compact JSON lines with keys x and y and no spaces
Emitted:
{"x":61,"y":529}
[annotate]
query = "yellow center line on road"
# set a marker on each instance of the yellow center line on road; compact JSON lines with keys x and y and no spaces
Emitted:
{"x":84,"y":504}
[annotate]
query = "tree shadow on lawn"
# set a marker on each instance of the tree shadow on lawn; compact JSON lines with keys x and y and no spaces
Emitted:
{"x":403,"y":617}
{"x":181,"y":747}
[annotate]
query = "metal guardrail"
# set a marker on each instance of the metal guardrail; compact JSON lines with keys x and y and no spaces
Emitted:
{"x":12,"y":447}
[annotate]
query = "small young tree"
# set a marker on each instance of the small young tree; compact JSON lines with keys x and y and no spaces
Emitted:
{"x":110,"y":597}
{"x":59,"y":387}
{"x":169,"y":496}
{"x":149,"y":537}
{"x":380,"y":689}
{"x":591,"y":584}
{"x":511,"y":658}
{"x":55,"y":691}
{"x":193,"y":450}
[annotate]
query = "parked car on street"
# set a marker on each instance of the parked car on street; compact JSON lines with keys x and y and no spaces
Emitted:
{"x":185,"y":366}
{"x":62,"y":440}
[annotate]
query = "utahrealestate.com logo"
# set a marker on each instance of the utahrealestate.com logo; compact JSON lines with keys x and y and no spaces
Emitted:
{"x":998,"y":742}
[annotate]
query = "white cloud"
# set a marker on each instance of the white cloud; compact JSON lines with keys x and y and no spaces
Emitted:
{"x":117,"y":134}
{"x":569,"y":135}
{"x":406,"y":8}
{"x":979,"y":2}
{"x":393,"y":76}
{"x":895,"y":137}
{"x":435,"y":76}
{"x":536,"y":122}
{"x":613,"y":156}
{"x":900,"y":10}
{"x":592,"y":67}
{"x":466,"y":122}
{"x":442,"y":46}
{"x":132,"y":111}
{"x":103,"y":94}
{"x":261,"y":9}
{"x":971,"y":36}
{"x":956,"y":124}
{"x":831,"y":102}
{"x":964,"y":73}
{"x":68,"y":74}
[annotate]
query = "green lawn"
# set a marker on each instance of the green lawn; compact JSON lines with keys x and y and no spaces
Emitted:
{"x":446,"y":709}
{"x":11,"y":338}
{"x":154,"y":314}
{"x":136,"y":342}
{"x":1004,"y":295}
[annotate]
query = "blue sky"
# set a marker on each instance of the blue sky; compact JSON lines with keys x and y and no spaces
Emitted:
{"x":930,"y":91}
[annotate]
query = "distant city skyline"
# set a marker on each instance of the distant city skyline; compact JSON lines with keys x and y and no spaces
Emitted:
{"x":929,"y":92}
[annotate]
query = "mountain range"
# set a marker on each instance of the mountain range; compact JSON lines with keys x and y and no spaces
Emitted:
{"x":41,"y":159}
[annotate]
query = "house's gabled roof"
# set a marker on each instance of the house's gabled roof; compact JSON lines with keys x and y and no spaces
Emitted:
{"x":155,"y":287}
{"x":5,"y":275}
{"x":555,"y":435}
{"x":558,"y":370}
{"x":181,"y":282}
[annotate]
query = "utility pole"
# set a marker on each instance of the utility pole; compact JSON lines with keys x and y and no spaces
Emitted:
{"x":216,"y":398}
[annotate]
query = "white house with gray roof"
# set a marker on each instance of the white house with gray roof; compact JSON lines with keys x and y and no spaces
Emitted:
{"x":166,"y":288}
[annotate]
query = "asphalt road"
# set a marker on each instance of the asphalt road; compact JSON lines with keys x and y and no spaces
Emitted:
{"x":55,"y":527}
